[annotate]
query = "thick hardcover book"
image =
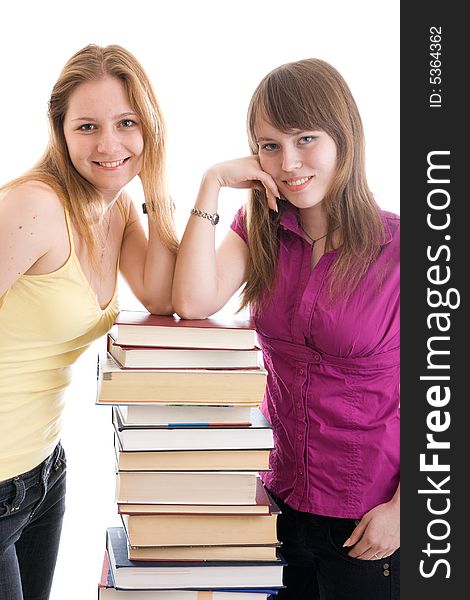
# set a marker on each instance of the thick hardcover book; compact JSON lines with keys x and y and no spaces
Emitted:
{"x":200,"y":530}
{"x":263,"y":505}
{"x":186,"y":487}
{"x":195,"y":436}
{"x":108,"y":591}
{"x":117,"y":385}
{"x":225,"y":331}
{"x":135,"y":575}
{"x":190,"y":460}
{"x":149,"y":357}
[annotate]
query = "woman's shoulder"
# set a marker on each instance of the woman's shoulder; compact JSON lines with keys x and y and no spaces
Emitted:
{"x":33,"y":194}
{"x":391,"y":223}
{"x":32,"y":204}
{"x":390,"y":216}
{"x":30,"y":216}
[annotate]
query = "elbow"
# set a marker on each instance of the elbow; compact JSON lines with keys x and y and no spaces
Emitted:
{"x":190,"y":314}
{"x":187,"y":309}
{"x":159,"y":308}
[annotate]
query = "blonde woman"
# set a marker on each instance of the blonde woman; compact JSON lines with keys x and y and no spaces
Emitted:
{"x":67,"y":227}
{"x":319,"y":262}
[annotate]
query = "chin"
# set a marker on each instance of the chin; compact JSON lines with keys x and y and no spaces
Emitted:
{"x":108,"y":187}
{"x":298,"y":203}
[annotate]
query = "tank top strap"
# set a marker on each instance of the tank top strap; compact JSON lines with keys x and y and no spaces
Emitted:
{"x":68,"y":221}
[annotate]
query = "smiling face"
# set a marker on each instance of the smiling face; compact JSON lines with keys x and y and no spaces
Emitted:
{"x":104,"y":135}
{"x":302,"y":163}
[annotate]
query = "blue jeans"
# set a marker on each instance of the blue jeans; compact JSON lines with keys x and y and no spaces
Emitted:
{"x":319,"y":567}
{"x":31,"y":510}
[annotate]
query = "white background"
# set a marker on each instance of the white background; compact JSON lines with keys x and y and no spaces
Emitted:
{"x":204,"y":57}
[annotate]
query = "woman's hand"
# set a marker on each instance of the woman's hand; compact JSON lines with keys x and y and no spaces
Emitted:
{"x":378,"y":533}
{"x":244,"y":173}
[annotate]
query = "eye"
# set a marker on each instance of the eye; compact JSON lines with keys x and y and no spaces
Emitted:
{"x":127,"y":123}
{"x":306,"y":139}
{"x":269,"y":147}
{"x":87,"y":127}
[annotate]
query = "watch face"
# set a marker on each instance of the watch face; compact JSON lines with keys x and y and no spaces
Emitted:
{"x":216,"y":219}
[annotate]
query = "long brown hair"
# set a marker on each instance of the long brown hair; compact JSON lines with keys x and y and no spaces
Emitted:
{"x":55,"y":168}
{"x":305,"y":95}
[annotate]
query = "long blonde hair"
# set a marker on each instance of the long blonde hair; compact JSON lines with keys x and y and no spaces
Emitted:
{"x":55,"y":168}
{"x":305,"y":95}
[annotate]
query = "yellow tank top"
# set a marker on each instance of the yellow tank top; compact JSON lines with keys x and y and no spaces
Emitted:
{"x":46,"y":322}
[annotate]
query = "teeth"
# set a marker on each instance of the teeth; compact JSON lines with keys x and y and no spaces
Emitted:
{"x":110,"y":165}
{"x":294,"y":182}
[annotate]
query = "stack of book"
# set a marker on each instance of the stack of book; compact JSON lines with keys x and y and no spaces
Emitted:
{"x":190,"y":440}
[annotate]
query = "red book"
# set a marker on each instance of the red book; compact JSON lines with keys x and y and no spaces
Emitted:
{"x":221,"y":331}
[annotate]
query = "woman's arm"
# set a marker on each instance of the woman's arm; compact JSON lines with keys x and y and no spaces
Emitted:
{"x":146,"y":264}
{"x":206,"y":278}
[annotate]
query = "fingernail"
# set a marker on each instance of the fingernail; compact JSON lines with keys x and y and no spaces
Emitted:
{"x":346,"y":543}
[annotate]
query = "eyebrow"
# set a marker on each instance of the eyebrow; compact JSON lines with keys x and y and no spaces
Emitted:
{"x":291,"y":132}
{"x":120,"y":116}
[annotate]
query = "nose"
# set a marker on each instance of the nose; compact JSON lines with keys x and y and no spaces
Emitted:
{"x":107,"y":142}
{"x":291,"y":159}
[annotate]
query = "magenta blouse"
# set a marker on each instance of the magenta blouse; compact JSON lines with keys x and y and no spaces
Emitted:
{"x":333,"y":379}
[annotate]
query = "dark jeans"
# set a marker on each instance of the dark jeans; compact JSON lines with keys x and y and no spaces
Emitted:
{"x":319,"y":567}
{"x":31,"y":510}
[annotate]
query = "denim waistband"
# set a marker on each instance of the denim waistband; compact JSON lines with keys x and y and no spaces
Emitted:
{"x":42,"y":469}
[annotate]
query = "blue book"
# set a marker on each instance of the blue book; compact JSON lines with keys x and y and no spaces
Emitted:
{"x":188,"y":575}
{"x":108,"y":591}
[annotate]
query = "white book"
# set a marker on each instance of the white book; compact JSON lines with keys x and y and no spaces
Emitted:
{"x":161,"y":414}
{"x":258,"y":434}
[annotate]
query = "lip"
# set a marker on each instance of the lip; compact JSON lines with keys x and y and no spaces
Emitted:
{"x":300,"y":186}
{"x":111,"y":165}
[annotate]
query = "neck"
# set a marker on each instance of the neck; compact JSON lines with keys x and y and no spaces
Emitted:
{"x":313,"y":222}
{"x":110,"y":197}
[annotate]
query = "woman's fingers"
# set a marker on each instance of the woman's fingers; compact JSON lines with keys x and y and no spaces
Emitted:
{"x":271,"y":191}
{"x":246,"y":173}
